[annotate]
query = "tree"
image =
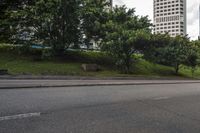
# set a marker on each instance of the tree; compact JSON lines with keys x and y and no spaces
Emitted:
{"x":154,"y":47}
{"x":123,"y":31}
{"x":193,"y":57}
{"x":171,"y":51}
{"x":175,"y":53}
{"x":7,"y":7}
{"x":93,"y":15}
{"x":49,"y":22}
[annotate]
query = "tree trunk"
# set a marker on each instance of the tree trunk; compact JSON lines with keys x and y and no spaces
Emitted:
{"x":177,"y":68}
{"x":127,"y":63}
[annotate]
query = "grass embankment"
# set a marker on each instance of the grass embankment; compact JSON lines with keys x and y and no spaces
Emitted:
{"x":18,"y":65}
{"x":71,"y":65}
{"x":25,"y":65}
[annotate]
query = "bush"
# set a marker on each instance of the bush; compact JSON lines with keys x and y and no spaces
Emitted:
{"x":24,"y":50}
{"x":47,"y":54}
{"x":4,"y":48}
{"x":89,"y":57}
{"x":38,"y":54}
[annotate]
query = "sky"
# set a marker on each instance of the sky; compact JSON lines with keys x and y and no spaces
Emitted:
{"x":145,"y":7}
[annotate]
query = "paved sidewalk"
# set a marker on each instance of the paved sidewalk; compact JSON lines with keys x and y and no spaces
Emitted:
{"x":14,"y":84}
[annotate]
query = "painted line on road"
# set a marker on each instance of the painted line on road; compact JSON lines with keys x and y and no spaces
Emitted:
{"x":161,"y":98}
{"x":19,"y":116}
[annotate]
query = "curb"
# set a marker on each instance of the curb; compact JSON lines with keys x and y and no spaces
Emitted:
{"x":50,"y":77}
{"x":90,"y":85}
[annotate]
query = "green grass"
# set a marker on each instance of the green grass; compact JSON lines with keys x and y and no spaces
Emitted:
{"x":20,"y":65}
{"x":187,"y":72}
{"x":143,"y":67}
{"x":25,"y":65}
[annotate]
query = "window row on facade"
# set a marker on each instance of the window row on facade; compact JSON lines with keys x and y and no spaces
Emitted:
{"x":169,"y":27}
{"x":172,"y":30}
{"x":169,"y":10}
{"x":170,"y":23}
{"x":167,"y":19}
{"x":164,"y":2}
{"x":167,"y":6}
{"x":169,"y":13}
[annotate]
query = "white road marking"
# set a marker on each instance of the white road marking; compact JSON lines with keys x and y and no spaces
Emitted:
{"x":161,"y":98}
{"x":19,"y":116}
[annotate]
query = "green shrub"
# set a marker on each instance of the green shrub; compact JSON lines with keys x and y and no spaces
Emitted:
{"x":47,"y":54}
{"x":19,"y":50}
{"x":4,"y":48}
{"x":89,"y":57}
{"x":37,"y":54}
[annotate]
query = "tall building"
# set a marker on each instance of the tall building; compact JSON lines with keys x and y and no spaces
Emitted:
{"x":111,"y":3}
{"x":199,"y":23}
{"x":170,"y":17}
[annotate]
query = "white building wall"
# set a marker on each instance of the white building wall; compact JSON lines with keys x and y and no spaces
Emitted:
{"x":199,"y":23}
{"x":111,"y":4}
{"x":170,"y":17}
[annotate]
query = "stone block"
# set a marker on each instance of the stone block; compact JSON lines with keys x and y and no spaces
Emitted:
{"x":90,"y":67}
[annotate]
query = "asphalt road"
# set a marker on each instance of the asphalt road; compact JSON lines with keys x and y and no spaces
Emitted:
{"x":170,"y":108}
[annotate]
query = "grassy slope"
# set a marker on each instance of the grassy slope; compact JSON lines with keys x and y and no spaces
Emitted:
{"x":25,"y":65}
{"x":143,"y":67}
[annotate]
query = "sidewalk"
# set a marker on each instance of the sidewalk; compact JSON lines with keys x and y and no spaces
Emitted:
{"x":16,"y":84}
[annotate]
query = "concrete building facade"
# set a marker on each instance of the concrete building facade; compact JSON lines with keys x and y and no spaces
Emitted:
{"x":110,"y":4}
{"x":199,"y":23}
{"x":170,"y":17}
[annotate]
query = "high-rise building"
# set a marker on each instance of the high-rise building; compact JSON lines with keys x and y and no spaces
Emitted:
{"x":199,"y":23}
{"x":170,"y":17}
{"x":111,"y":3}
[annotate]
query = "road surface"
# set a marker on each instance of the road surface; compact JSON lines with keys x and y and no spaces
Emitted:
{"x":169,"y":108}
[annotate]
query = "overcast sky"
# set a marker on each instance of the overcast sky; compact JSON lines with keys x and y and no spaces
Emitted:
{"x":145,"y":7}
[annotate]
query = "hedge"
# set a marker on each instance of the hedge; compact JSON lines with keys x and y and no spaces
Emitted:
{"x":70,"y":55}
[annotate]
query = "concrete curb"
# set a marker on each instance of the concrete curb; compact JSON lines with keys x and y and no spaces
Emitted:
{"x":49,"y":77}
{"x":90,"y":85}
